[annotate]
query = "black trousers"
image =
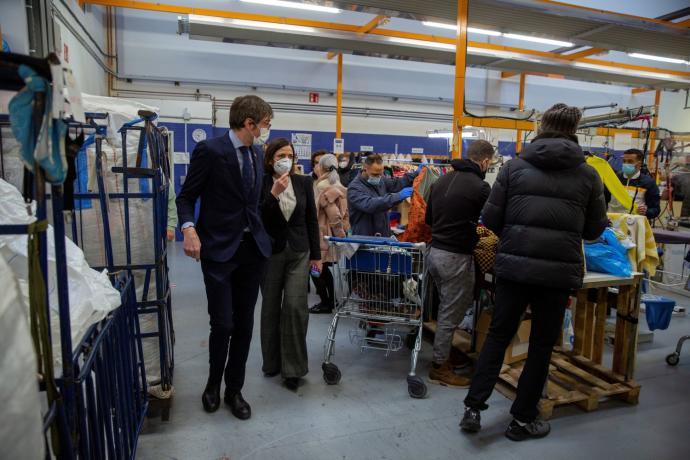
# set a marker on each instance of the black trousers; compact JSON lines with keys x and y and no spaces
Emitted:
{"x":548,"y":307}
{"x":232,"y":289}
{"x":324,"y":286}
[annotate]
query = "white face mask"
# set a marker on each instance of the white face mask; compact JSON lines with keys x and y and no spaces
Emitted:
{"x":343,"y":164}
{"x":282,"y":166}
{"x":263,"y":137}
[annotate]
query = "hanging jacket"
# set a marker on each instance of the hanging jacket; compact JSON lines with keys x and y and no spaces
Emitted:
{"x":454,"y":206}
{"x":418,"y":231}
{"x":542,"y":205}
{"x":333,"y":217}
{"x":369,"y":204}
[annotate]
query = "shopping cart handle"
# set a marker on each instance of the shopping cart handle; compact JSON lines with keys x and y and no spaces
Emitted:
{"x":374,"y":241}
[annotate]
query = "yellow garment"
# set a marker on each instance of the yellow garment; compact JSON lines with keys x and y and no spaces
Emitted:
{"x":611,"y":181}
{"x":644,"y":255}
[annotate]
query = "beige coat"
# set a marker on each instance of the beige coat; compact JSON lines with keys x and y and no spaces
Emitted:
{"x":333,"y":217}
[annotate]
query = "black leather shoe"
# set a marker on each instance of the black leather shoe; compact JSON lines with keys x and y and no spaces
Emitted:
{"x":292,"y":383}
{"x":271,"y":374}
{"x":211,"y":398}
{"x":321,"y":309}
{"x":238,"y":406}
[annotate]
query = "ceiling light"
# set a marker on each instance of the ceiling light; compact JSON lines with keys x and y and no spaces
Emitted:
{"x":658,"y":58}
{"x":297,"y":5}
{"x":423,"y":43}
{"x":546,"y":41}
{"x":213,"y":19}
{"x":440,"y":25}
{"x":271,"y":25}
{"x":493,"y":33}
{"x":440,"y":134}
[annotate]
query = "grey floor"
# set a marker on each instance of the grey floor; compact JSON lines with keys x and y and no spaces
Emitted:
{"x":370,"y":415}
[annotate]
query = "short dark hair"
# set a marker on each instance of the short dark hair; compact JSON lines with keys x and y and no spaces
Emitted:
{"x":637,"y":152}
{"x":480,"y":150}
{"x":374,"y":158}
{"x":249,"y":106}
{"x":315,"y":155}
{"x":273,"y":146}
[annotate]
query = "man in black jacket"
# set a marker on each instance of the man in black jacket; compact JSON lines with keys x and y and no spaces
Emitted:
{"x":453,"y":209}
{"x":541,"y":207}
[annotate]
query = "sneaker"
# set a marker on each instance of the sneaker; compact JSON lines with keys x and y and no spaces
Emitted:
{"x":533,"y":430}
{"x":444,"y":375}
{"x":471,"y":421}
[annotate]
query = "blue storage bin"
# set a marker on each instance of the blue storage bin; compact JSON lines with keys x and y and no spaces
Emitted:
{"x":658,"y":310}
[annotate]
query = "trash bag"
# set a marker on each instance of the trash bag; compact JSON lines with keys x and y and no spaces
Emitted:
{"x":608,"y":255}
{"x":658,"y":311}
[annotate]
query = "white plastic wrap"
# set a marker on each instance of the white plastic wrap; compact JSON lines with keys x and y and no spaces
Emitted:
{"x":21,"y":434}
{"x":91,"y":295}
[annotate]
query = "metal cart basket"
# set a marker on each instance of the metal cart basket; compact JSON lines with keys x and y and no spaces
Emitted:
{"x":377,"y":283}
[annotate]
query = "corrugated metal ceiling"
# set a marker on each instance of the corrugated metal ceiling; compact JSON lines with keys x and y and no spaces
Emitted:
{"x":527,"y":17}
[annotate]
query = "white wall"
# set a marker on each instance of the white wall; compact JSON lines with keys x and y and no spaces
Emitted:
{"x":14,"y":26}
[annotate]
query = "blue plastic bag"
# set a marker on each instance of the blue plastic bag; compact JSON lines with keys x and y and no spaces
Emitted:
{"x":658,"y":311}
{"x":608,"y":255}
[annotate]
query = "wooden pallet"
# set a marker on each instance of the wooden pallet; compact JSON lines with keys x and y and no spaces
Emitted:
{"x":573,"y":380}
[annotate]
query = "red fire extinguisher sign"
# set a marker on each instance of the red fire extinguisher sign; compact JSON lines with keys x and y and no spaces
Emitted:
{"x":313,"y":98}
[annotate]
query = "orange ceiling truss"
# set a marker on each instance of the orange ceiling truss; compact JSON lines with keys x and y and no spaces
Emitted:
{"x":177,"y":9}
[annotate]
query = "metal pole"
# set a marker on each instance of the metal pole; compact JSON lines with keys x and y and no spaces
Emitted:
{"x":521,"y":107}
{"x":460,"y":62}
{"x":339,"y":100}
{"x":655,"y":120}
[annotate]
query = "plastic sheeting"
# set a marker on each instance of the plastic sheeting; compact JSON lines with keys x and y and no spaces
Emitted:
{"x":21,"y":436}
{"x":91,"y":294}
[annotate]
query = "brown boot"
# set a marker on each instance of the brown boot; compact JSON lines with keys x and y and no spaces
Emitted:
{"x":444,"y":375}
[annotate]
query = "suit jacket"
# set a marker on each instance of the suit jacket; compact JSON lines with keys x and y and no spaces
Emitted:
{"x":302,"y":230}
{"x":226,"y":208}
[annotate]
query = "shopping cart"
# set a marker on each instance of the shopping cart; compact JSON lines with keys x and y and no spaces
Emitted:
{"x":377,"y":283}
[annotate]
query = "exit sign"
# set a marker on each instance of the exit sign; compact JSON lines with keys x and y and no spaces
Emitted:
{"x":313,"y":98}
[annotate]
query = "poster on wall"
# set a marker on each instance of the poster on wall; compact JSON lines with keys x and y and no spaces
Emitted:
{"x":302,"y":144}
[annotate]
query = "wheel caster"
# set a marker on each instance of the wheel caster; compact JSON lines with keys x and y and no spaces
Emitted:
{"x":672,"y":359}
{"x":416,"y":387}
{"x":331,"y":373}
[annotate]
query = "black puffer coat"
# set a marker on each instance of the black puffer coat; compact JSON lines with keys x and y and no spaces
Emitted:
{"x":542,"y":205}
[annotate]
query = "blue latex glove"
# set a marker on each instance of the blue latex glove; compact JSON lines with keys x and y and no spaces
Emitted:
{"x":419,"y":169}
{"x":405,"y":193}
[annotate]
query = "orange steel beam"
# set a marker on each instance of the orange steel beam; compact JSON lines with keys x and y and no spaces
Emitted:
{"x":585,"y":53}
{"x":373,"y":24}
{"x":460,"y":69}
{"x":521,"y":107}
{"x":331,"y":55}
{"x":339,"y":100}
{"x":147,"y":6}
{"x":505,"y":74}
{"x":685,"y":23}
{"x":640,"y":90}
{"x":655,"y":120}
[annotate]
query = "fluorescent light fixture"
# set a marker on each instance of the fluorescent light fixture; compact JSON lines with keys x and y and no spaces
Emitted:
{"x":213,"y":19}
{"x":440,"y":25}
{"x":272,"y":26}
{"x":492,"y":33}
{"x":658,"y":58}
{"x":470,"y":134}
{"x":546,"y":41}
{"x":440,"y":134}
{"x":423,"y":43}
{"x":296,"y":5}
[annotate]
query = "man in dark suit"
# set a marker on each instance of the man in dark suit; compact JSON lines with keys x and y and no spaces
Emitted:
{"x":230,"y":240}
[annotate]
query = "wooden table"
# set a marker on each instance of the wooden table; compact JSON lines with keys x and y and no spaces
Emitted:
{"x":579,"y":376}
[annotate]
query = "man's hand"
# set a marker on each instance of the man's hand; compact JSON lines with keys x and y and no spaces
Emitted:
{"x":191,"y":245}
{"x":171,"y":234}
{"x":280,"y":185}
{"x":317,"y":264}
{"x":642,"y":210}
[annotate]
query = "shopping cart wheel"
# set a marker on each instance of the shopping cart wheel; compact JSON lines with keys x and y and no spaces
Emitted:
{"x":416,"y":387}
{"x":331,"y":373}
{"x":672,"y":359}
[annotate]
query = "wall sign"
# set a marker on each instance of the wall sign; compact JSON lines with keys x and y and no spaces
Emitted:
{"x":313,"y":98}
{"x":338,"y":146}
{"x":302,"y":144}
{"x":199,"y":135}
{"x":417,"y":150}
{"x":366,"y":148}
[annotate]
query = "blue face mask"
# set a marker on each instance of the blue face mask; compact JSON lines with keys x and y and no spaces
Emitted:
{"x":629,"y":169}
{"x":374,"y":180}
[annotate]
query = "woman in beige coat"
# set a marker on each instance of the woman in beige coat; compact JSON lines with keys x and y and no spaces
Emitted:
{"x":333,"y":218}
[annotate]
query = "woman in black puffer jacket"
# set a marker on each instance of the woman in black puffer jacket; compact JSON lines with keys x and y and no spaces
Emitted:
{"x":542,"y":206}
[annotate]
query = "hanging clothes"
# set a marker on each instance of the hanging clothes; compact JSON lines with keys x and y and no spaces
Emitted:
{"x":417,"y":230}
{"x":72,"y":148}
{"x":611,"y":181}
{"x":644,"y":255}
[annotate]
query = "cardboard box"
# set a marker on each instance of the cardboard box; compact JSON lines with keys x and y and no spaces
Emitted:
{"x":517,"y":350}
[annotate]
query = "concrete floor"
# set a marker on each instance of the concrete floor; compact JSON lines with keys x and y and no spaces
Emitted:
{"x":369,"y":415}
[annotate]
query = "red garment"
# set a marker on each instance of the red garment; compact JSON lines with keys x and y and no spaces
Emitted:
{"x":417,"y":229}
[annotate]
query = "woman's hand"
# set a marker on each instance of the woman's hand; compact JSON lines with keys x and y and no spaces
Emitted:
{"x":280,"y":185}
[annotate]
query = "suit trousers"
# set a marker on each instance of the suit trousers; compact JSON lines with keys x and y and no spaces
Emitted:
{"x":285,"y":314}
{"x":324,"y":286}
{"x":548,"y":307}
{"x":232,"y":289}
